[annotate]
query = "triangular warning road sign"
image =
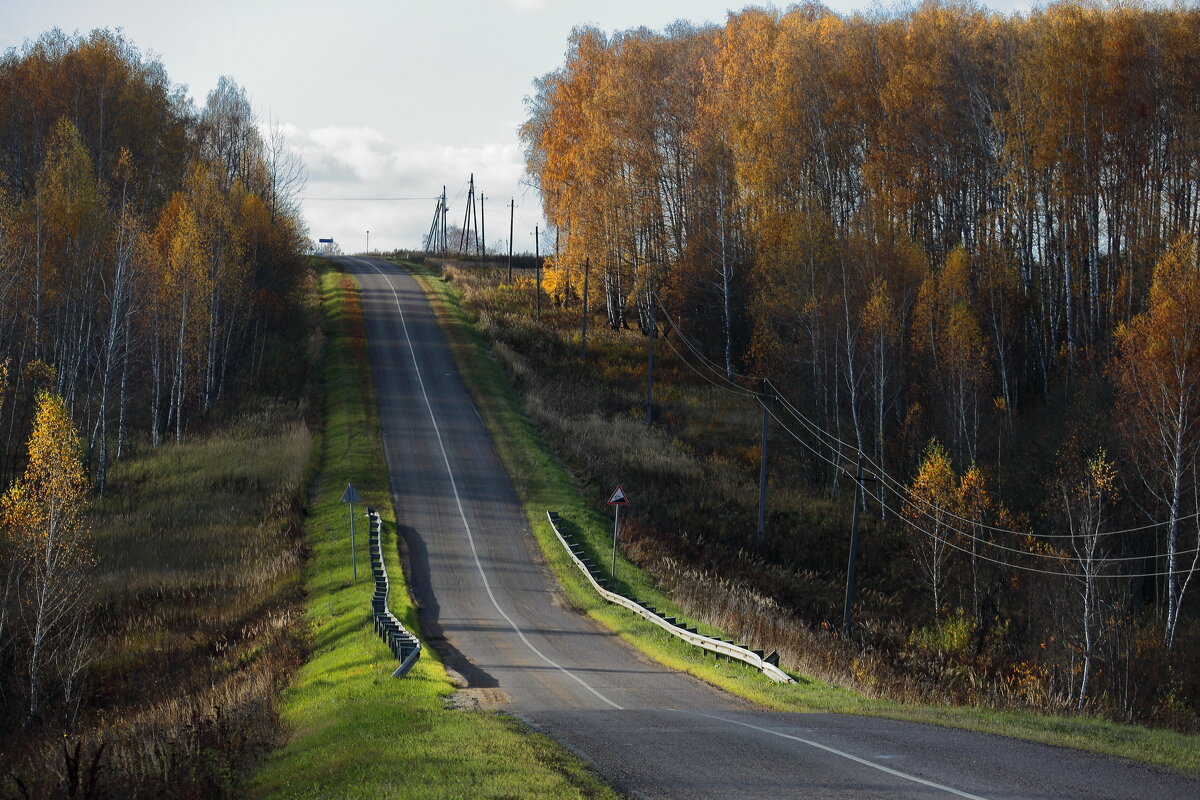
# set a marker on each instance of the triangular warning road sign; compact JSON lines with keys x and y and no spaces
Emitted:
{"x":618,"y":498}
{"x":351,"y":495}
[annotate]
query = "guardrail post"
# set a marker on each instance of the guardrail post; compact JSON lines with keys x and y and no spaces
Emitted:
{"x":768,"y":664}
{"x":404,"y":646}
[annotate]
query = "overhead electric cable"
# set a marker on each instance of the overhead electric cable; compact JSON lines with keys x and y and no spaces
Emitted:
{"x":899,"y":488}
{"x":361,"y":199}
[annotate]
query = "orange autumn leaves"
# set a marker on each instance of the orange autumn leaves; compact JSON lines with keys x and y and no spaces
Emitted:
{"x":1158,"y":388}
{"x":956,"y":512}
{"x":149,"y":245}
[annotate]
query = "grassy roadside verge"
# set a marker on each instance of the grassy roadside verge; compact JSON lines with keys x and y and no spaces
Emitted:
{"x":542,"y":483}
{"x":356,"y":732}
{"x":194,"y":602}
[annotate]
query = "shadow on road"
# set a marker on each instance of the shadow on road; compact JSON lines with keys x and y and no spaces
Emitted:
{"x":429,"y":613}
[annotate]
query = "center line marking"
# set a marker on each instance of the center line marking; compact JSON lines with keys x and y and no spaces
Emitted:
{"x":461,"y":513}
{"x":840,"y":753}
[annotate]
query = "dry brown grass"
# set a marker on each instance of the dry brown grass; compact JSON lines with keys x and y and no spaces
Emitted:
{"x":694,"y":478}
{"x":198,"y":617}
{"x":197,"y":610}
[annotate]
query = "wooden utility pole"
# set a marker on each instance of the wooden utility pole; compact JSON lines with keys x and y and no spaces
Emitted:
{"x":482,"y":228}
{"x":852,"y":565}
{"x":464,"y":237}
{"x":587,"y":260}
{"x":650,"y":349}
{"x":537,"y":262}
{"x":475,"y":219}
{"x":466,"y":225}
{"x":762,"y":469}
{"x":445,"y":210}
{"x":431,"y":240}
{"x":512,"y":205}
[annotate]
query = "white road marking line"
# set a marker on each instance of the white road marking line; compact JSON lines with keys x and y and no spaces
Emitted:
{"x":837,"y":752}
{"x":462,"y":514}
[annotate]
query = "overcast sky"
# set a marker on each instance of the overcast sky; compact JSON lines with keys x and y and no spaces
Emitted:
{"x":381,"y":99}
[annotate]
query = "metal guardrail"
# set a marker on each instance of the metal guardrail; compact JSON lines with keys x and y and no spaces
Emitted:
{"x":405,"y":646}
{"x":769,"y":664}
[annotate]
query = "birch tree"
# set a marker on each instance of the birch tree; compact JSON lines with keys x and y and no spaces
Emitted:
{"x":1084,"y":499}
{"x":930,"y":508}
{"x":43,"y":522}
{"x":1158,"y":383}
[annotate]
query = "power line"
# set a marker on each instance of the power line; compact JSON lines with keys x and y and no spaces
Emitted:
{"x":702,"y":376}
{"x":915,"y":500}
{"x":903,"y":490}
{"x":950,"y":543}
{"x":462,"y":189}
{"x":363,"y":199}
{"x":895,"y":485}
{"x":709,"y":362}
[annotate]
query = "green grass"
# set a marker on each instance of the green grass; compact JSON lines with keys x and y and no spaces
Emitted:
{"x":543,"y":483}
{"x":355,"y":731}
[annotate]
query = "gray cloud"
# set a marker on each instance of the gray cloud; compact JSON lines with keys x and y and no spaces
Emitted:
{"x":362,"y":162}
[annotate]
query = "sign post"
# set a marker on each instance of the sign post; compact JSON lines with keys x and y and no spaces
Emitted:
{"x":618,"y":499}
{"x":351,"y":496}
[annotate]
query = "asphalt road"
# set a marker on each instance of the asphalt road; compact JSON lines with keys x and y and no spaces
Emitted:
{"x":493,"y":611}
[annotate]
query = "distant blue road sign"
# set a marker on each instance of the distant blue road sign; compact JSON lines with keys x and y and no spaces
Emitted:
{"x":325,"y":241}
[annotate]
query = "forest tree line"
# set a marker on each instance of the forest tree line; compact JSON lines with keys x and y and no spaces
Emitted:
{"x":147,"y":250}
{"x":940,"y":232}
{"x":144,"y":243}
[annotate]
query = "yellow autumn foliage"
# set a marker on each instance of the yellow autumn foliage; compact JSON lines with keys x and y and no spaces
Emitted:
{"x":47,"y":502}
